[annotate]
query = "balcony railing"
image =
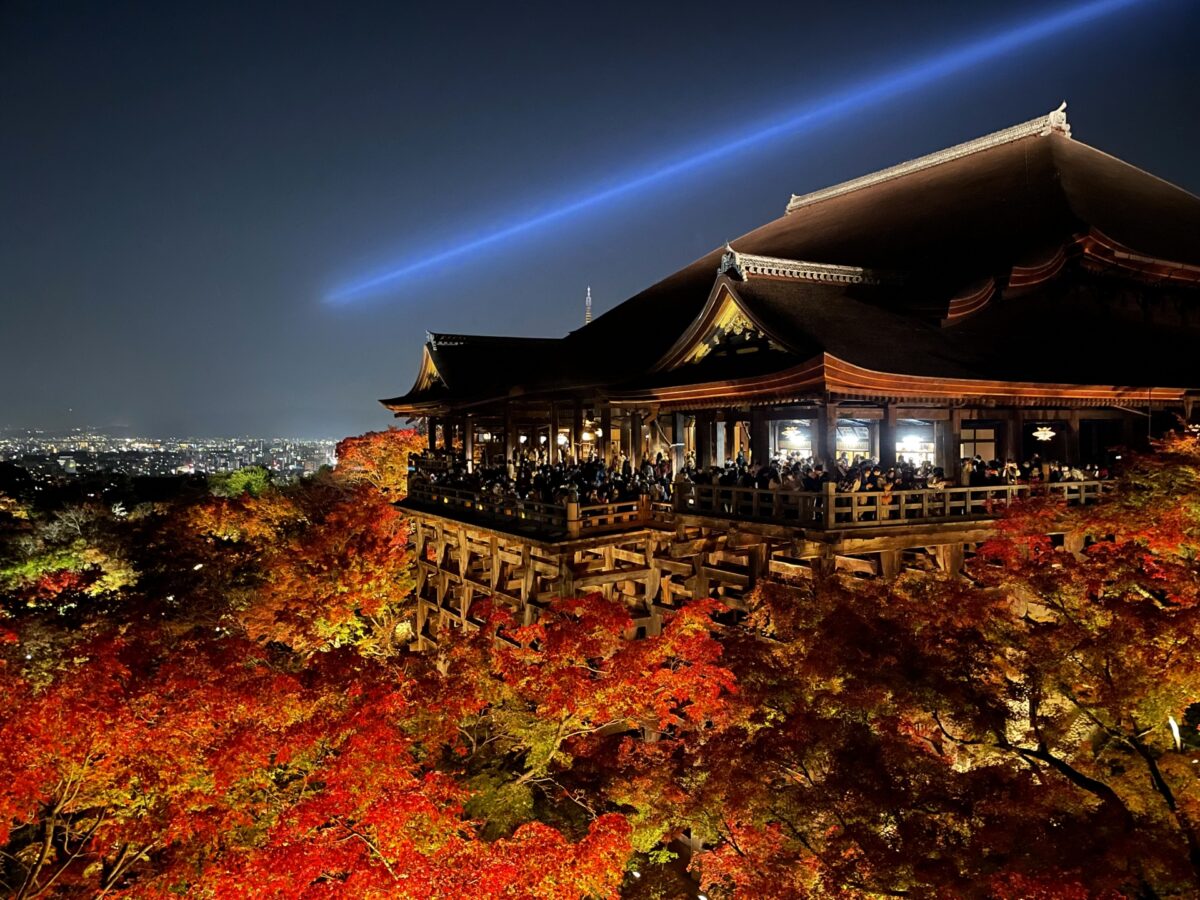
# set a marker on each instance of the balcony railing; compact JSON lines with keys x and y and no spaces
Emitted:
{"x":433,"y":462}
{"x":830,"y":509}
{"x":826,"y":510}
{"x":570,"y":518}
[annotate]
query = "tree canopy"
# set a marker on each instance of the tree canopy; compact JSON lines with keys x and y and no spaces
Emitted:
{"x":212,"y":696}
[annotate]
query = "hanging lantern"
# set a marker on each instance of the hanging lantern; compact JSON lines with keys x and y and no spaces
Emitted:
{"x":1044,"y":433}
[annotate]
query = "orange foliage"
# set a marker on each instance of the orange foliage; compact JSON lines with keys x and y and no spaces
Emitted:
{"x":379,"y":458}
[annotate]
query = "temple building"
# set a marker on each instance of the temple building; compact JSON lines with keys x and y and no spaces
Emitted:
{"x":1020,"y":294}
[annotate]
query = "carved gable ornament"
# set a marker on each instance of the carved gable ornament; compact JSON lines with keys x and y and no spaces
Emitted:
{"x":732,"y":333}
{"x":429,"y":376}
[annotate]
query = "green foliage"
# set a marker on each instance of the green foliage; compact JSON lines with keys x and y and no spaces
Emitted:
{"x":500,"y":803}
{"x":252,"y":480}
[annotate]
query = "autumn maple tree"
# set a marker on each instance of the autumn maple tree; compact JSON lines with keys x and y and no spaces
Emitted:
{"x":210,"y":695}
{"x":1016,"y":733}
{"x":379,"y":458}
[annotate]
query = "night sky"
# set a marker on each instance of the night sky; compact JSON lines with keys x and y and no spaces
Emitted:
{"x":184,"y":185}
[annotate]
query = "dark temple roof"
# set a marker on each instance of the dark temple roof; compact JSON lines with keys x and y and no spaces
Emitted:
{"x":943,"y":223}
{"x":470,"y":366}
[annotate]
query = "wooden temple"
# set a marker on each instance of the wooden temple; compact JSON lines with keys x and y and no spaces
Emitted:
{"x":1020,"y":293}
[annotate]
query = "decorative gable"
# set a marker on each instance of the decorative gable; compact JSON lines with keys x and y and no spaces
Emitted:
{"x":428,"y":376}
{"x":732,"y":333}
{"x":723,"y":328}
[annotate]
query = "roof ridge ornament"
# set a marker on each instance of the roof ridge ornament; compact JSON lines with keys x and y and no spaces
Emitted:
{"x":731,"y":261}
{"x":744,"y":265}
{"x":1054,"y":121}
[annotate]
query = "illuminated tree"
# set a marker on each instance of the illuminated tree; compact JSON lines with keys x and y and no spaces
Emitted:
{"x":343,"y":578}
{"x":154,"y":766}
{"x":1006,"y":736}
{"x":252,"y":480}
{"x":380,"y":458}
{"x":76,"y":555}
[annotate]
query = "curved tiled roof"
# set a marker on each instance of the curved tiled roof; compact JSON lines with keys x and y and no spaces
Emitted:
{"x":946,"y":227}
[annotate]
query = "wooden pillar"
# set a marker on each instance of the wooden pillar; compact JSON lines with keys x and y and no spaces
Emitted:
{"x":510,"y":436}
{"x":635,"y":437}
{"x":576,"y":442}
{"x":760,"y":436}
{"x":887,"y":437}
{"x":1013,"y":424}
{"x":604,"y":444}
{"x":654,"y":438}
{"x":552,"y":448}
{"x":952,"y":444}
{"x":957,"y":416}
{"x":431,"y":427}
{"x":825,"y":445}
{"x":950,"y":558}
{"x":731,"y":425}
{"x":469,"y":442}
{"x":1071,"y":439}
{"x":704,"y":439}
{"x":678,"y":428}
{"x":1129,"y":430}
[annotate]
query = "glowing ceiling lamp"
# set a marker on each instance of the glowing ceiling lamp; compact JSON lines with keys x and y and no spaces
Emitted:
{"x":562,"y":440}
{"x":911,"y":443}
{"x":794,"y":436}
{"x":1044,"y":433}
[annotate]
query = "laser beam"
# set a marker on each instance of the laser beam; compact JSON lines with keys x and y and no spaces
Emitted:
{"x":855,"y":96}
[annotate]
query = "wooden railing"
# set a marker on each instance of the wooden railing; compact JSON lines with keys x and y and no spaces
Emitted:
{"x":432,"y":462}
{"x":569,"y":518}
{"x":831,"y":509}
{"x":825,"y":510}
{"x":804,"y":509}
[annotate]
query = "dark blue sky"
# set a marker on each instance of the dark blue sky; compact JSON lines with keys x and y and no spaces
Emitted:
{"x":183,"y":184}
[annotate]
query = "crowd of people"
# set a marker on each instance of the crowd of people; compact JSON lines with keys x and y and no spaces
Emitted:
{"x":540,"y":478}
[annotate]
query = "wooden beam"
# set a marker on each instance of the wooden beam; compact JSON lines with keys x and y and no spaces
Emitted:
{"x":610,"y":577}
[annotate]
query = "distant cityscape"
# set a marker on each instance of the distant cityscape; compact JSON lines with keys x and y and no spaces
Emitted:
{"x":52,"y":455}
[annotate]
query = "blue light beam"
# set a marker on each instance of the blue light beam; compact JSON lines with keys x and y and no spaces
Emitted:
{"x":898,"y":81}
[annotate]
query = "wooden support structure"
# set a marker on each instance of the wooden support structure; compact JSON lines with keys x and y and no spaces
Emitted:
{"x":552,"y":447}
{"x":678,"y":450}
{"x":705,"y":439}
{"x":760,"y":436}
{"x":653,"y":568}
{"x":576,"y":440}
{"x":825,"y":444}
{"x":604,"y":443}
{"x":469,"y":442}
{"x":887,"y":437}
{"x":511,"y":441}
